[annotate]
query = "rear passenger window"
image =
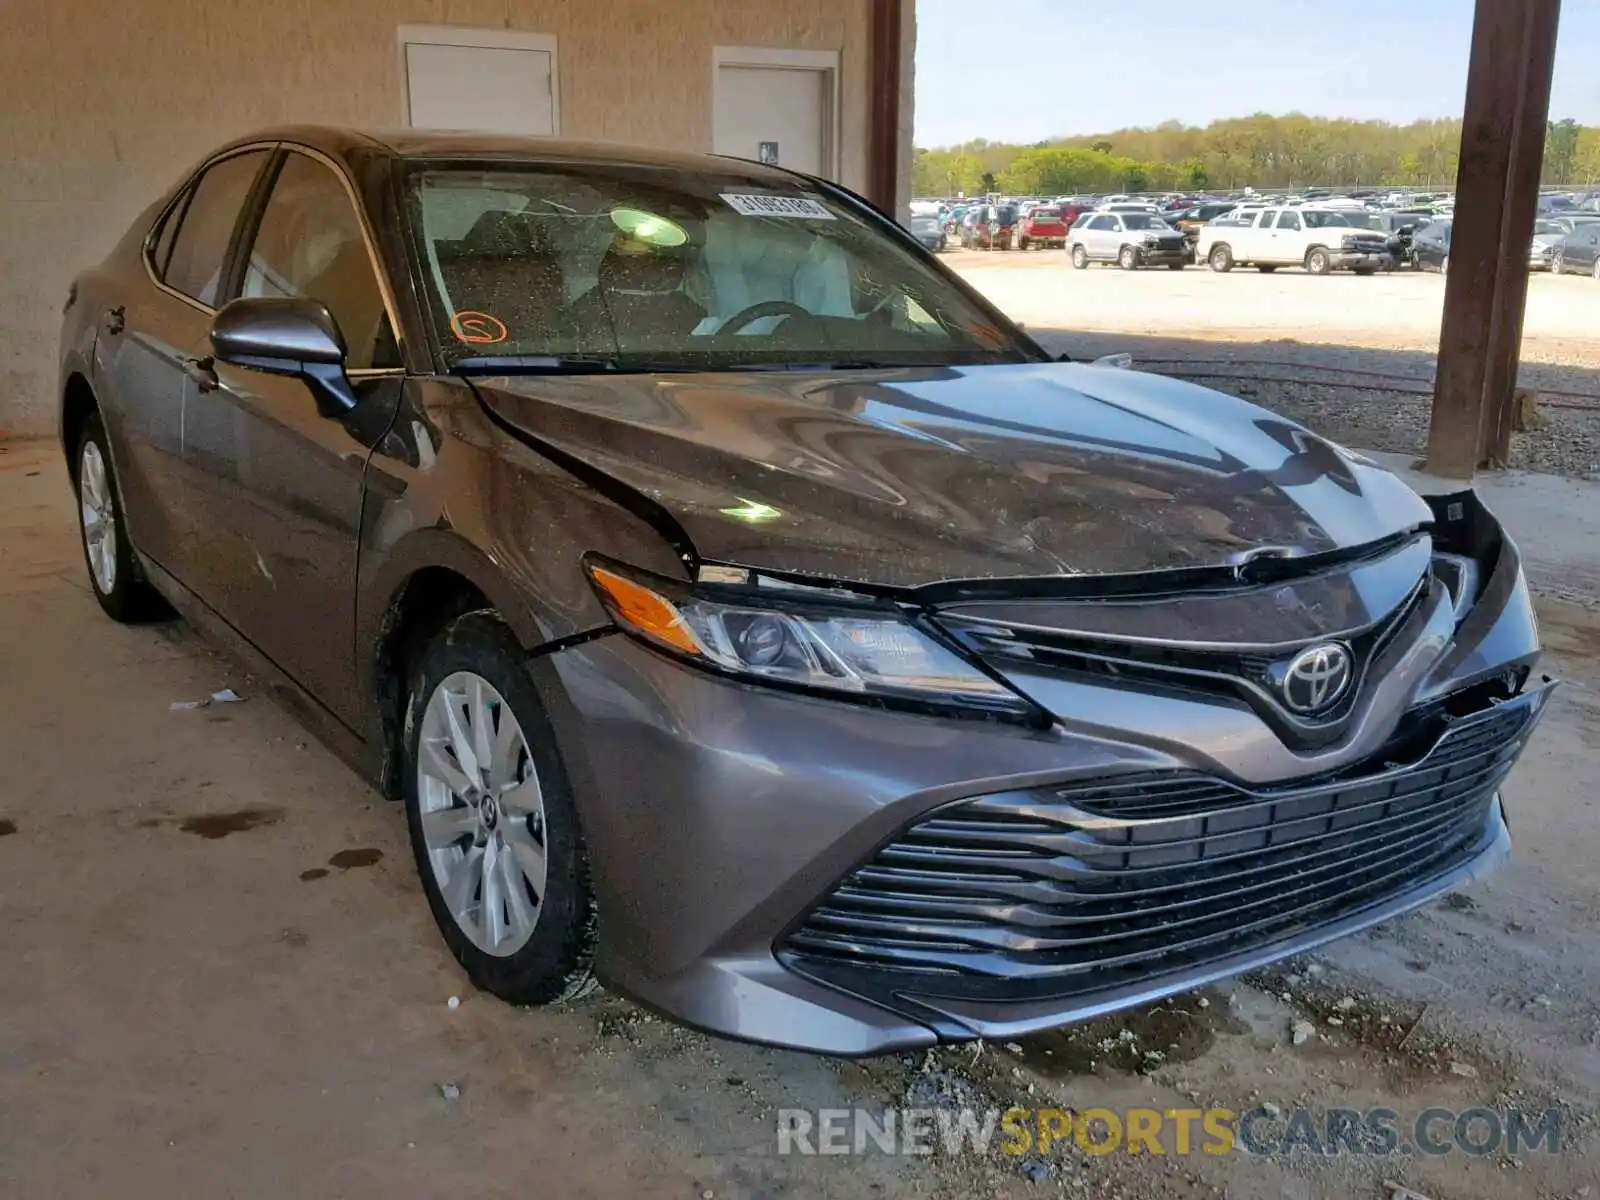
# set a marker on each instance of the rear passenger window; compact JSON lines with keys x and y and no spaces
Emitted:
{"x":199,"y":249}
{"x":1288,"y":220}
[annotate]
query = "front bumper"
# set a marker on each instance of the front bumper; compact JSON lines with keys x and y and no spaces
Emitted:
{"x":810,"y":873}
{"x":1161,"y":255}
{"x":1353,"y":259}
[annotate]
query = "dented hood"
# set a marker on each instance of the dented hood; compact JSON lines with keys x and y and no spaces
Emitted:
{"x":908,"y":477}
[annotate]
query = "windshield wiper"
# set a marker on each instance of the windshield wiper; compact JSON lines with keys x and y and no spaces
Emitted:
{"x":558,"y":364}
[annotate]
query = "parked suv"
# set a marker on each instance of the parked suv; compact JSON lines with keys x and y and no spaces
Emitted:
{"x":1042,"y":226}
{"x":1131,"y":240}
{"x":1318,"y":239}
{"x":994,"y":226}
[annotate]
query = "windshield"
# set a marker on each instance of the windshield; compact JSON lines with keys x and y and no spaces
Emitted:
{"x":622,"y":267}
{"x":1316,"y":219}
{"x":1006,"y":214}
{"x":1142,"y":221}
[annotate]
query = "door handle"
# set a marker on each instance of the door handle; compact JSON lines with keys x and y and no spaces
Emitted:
{"x":202,"y":371}
{"x":116,"y":319}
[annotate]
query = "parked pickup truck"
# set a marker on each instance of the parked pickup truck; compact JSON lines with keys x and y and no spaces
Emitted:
{"x":1042,"y":226}
{"x":1320,"y":240}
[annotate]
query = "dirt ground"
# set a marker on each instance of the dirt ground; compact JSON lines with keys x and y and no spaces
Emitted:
{"x":221,"y":980}
{"x":1351,"y":357}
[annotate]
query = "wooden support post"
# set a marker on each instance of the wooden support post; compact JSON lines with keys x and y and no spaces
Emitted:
{"x":883,"y":142}
{"x":1497,"y":193}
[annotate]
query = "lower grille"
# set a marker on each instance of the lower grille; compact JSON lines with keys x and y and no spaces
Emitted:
{"x":1058,"y":891}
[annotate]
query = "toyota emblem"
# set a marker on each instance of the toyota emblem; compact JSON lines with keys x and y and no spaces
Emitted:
{"x":1316,"y":678}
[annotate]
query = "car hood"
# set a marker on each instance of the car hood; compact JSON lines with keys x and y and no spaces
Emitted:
{"x":902,"y":478}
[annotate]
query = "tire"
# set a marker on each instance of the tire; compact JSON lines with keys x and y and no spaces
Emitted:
{"x":1595,"y":272}
{"x":1080,"y":257}
{"x":1022,"y":243}
{"x":1318,"y":261}
{"x":107,"y":552}
{"x":1128,"y":258}
{"x":1558,"y":265}
{"x":473,"y":670}
{"x":1266,"y":270}
{"x":1220,"y":258}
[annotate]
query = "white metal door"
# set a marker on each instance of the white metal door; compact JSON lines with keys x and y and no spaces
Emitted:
{"x":774,"y":114}
{"x":506,"y":84}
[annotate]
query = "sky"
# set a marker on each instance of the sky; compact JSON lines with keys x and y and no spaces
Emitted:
{"x":1026,"y":70}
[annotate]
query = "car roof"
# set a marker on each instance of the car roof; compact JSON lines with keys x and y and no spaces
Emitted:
{"x":343,"y":142}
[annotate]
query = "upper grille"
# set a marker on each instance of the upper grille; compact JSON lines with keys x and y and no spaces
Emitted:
{"x":1228,"y":673}
{"x":1056,"y":891}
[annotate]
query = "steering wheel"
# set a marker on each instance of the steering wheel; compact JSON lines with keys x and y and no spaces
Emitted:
{"x":766,"y":308}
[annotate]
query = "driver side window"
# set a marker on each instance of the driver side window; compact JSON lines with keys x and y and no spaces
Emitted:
{"x":309,"y":243}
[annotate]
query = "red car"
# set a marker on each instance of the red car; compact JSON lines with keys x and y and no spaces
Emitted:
{"x":993,"y":227}
{"x":1042,"y":226}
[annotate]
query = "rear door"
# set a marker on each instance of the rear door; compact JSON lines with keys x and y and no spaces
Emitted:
{"x":1103,"y":238}
{"x":287,"y":482}
{"x":147,"y":351}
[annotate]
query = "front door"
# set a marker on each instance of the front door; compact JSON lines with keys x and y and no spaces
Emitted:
{"x":1288,"y":240}
{"x":287,"y":483}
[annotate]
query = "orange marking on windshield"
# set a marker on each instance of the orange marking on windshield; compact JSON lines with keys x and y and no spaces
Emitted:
{"x":478,"y":328}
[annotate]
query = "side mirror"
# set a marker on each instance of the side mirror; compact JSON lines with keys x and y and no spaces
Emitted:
{"x":286,"y":336}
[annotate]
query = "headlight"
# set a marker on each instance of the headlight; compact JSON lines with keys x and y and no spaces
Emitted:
{"x":859,"y":649}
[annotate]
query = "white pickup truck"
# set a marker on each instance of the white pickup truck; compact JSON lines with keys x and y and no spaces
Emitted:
{"x":1320,"y":240}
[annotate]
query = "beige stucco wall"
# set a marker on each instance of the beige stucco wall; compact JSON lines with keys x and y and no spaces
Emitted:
{"x":103,"y":104}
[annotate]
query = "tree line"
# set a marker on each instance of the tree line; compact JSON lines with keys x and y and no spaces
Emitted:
{"x":1260,"y":151}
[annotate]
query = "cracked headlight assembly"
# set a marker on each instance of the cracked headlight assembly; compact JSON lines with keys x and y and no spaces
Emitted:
{"x":864,"y":651}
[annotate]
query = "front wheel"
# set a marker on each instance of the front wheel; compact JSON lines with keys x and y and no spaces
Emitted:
{"x":1596,"y":270}
{"x":1080,"y":258}
{"x":1220,"y":258}
{"x":1558,"y":265}
{"x":1128,"y":259}
{"x":1318,"y":262}
{"x":1022,"y":243}
{"x":493,"y":826}
{"x":107,"y":552}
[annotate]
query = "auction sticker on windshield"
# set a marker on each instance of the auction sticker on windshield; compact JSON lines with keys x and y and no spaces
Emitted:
{"x":777,"y":206}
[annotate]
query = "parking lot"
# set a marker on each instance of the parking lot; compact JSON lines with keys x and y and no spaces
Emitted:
{"x":1400,"y":310}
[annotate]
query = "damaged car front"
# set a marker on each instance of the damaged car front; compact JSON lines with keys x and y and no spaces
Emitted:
{"x":973,"y":693}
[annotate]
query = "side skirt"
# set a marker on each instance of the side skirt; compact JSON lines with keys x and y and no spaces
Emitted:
{"x":361,"y":755}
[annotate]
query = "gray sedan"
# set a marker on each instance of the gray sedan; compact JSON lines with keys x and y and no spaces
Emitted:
{"x":745,"y":611}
